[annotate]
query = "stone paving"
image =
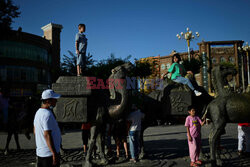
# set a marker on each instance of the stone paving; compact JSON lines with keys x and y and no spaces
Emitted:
{"x":166,"y":146}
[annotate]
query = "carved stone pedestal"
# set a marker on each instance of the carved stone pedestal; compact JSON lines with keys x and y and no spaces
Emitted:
{"x":73,"y":104}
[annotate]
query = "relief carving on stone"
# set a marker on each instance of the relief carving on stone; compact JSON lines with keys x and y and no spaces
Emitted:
{"x":70,"y":110}
{"x":178,"y":104}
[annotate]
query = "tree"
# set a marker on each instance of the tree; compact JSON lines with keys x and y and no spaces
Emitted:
{"x":68,"y":64}
{"x":193,"y":65}
{"x":8,"y":11}
{"x":145,"y":69}
{"x":103,"y":68}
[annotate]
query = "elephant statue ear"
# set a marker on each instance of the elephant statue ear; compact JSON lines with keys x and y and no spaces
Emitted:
{"x":112,"y":90}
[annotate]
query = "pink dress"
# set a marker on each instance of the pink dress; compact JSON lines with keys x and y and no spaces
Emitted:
{"x":194,"y":124}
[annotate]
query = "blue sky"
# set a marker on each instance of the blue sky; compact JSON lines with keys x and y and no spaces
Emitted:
{"x":140,"y":28}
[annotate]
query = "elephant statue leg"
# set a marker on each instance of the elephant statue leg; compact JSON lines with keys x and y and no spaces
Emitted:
{"x":217,"y":153}
{"x":100,"y":144}
{"x":202,"y":155}
{"x":214,"y":135}
{"x":93,"y":133}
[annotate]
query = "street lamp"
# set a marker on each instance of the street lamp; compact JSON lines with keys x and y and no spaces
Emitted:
{"x":245,"y":49}
{"x":188,"y":36}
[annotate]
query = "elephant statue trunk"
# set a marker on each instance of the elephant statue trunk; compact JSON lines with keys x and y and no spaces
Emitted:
{"x":119,"y":87}
{"x":117,"y":111}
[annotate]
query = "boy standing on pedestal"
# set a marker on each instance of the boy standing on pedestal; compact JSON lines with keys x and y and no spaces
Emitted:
{"x":81,"y":47}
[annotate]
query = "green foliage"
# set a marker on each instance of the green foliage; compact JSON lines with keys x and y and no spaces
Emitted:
{"x":68,"y":64}
{"x":142,"y":69}
{"x":8,"y":11}
{"x":103,"y":68}
{"x":228,"y":64}
{"x":193,"y":65}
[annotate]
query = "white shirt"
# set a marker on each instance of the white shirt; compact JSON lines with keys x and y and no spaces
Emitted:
{"x":45,"y":120}
{"x":135,"y":117}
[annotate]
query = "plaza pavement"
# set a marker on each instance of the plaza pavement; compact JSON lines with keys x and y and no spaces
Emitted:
{"x":166,"y":146}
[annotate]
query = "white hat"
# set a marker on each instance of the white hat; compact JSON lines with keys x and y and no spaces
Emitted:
{"x":50,"y":94}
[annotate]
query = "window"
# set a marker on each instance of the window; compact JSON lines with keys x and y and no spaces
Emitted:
{"x":23,"y":75}
{"x":168,"y":65}
{"x":163,"y":66}
{"x":23,"y":51}
{"x":214,"y":61}
{"x":231,"y":59}
{"x":222,"y":59}
{"x":9,"y":74}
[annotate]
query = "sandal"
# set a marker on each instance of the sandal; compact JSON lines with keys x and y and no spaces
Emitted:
{"x":192,"y":164}
{"x":198,"y":162}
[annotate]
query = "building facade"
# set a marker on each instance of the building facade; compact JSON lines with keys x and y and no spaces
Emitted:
{"x":29,"y":63}
{"x":212,"y":53}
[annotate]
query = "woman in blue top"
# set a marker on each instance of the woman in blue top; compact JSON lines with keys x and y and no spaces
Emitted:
{"x":177,"y":71}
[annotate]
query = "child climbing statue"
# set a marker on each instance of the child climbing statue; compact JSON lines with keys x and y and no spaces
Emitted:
{"x":177,"y":71}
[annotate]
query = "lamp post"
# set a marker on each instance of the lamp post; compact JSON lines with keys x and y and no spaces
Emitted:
{"x":188,"y":36}
{"x":245,"y":49}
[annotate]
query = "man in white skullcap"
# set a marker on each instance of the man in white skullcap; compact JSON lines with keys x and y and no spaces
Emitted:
{"x":47,"y":132}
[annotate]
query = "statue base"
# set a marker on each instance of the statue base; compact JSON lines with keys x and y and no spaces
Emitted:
{"x":73,"y":104}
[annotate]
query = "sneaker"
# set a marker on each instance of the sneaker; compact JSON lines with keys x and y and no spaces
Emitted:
{"x":197,"y":93}
{"x":133,"y":160}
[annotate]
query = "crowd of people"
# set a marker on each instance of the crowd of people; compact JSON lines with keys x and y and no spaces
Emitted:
{"x":48,"y":135}
{"x":120,"y":130}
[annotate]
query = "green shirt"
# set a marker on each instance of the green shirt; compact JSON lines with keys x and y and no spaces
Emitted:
{"x":177,"y":70}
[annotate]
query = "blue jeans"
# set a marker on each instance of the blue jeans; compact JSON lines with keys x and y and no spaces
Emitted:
{"x":134,"y":143}
{"x":184,"y":81}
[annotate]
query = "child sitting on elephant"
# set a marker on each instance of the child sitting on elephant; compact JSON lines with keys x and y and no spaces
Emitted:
{"x":177,"y":71}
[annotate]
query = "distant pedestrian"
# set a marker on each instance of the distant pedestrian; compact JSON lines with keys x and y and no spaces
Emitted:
{"x":120,"y":134}
{"x":193,"y":124}
{"x":177,"y":72}
{"x":12,"y":126}
{"x":244,"y":138}
{"x":85,"y":136}
{"x":135,"y":118}
{"x":81,"y":47}
{"x":4,"y":106}
{"x":47,"y":132}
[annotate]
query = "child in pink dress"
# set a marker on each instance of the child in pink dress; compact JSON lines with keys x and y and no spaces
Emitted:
{"x":193,"y":124}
